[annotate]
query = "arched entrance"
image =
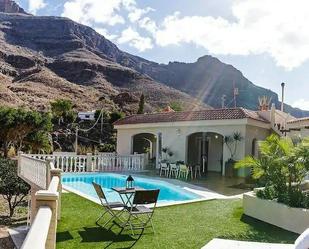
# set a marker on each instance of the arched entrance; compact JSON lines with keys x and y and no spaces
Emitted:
{"x":145,"y":143}
{"x":205,"y":149}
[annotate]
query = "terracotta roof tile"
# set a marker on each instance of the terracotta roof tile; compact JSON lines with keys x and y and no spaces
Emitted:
{"x":298,"y":120}
{"x":213,"y":114}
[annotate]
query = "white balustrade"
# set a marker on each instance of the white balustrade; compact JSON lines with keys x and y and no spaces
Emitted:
{"x":72,"y":163}
{"x":33,"y":170}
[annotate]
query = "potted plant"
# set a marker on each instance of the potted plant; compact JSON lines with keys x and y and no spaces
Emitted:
{"x":281,"y":170}
{"x":232,"y":143}
{"x":168,"y":154}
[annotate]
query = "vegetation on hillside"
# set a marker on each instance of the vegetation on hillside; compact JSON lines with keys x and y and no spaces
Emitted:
{"x":24,"y":130}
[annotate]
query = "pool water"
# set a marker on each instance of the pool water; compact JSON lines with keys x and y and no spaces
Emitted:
{"x":82,"y":182}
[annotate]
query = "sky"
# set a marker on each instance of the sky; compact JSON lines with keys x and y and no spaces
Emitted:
{"x":268,"y":41}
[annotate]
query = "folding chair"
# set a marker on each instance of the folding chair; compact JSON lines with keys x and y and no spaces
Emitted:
{"x":164,"y":167}
{"x":109,"y":207}
{"x":140,"y":215}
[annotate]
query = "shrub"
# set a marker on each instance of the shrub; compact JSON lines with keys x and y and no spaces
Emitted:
{"x":267,"y":193}
{"x":282,"y":166}
{"x":12,"y":188}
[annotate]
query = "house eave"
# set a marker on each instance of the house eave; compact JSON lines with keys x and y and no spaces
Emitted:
{"x":221,"y":122}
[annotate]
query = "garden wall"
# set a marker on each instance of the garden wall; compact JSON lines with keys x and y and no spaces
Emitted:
{"x":292,"y":219}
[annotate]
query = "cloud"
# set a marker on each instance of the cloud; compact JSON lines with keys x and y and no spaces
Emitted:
{"x":100,"y":14}
{"x":35,"y":5}
{"x":148,"y":24}
{"x":134,"y":39}
{"x":137,"y":13}
{"x":105,"y":33}
{"x":94,"y":11}
{"x":277,"y":27}
{"x":302,"y":104}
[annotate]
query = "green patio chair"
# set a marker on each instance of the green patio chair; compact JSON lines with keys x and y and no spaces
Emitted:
{"x":183,"y":171}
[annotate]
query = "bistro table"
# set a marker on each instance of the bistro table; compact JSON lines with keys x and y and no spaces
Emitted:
{"x":127,"y":192}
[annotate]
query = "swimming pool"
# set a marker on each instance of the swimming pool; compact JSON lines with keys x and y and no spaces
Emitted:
{"x":82,"y":183}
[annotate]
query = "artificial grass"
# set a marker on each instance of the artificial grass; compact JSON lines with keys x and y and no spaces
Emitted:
{"x":183,"y":226}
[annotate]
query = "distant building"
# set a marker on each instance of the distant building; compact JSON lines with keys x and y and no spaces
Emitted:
{"x":86,"y":115}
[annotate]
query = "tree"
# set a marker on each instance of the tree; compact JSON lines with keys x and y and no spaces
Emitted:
{"x":282,"y":167}
{"x":141,"y":105}
{"x":62,"y":110}
{"x":114,"y":116}
{"x":176,"y":106}
{"x":39,"y":142}
{"x":12,"y":188}
{"x":17,"y":124}
{"x":232,"y":143}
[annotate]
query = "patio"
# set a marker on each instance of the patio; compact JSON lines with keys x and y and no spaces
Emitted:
{"x":213,"y":181}
{"x":181,"y":226}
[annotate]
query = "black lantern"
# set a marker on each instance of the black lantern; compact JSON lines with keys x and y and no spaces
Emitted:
{"x":130,"y":182}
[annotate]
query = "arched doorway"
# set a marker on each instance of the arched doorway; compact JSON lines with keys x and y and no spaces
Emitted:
{"x":205,"y":149}
{"x":145,"y":143}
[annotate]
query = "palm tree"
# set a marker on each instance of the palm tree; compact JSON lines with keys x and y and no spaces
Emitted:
{"x":282,"y":165}
{"x":232,"y":143}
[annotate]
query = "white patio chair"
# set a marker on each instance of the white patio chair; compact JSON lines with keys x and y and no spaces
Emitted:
{"x":173,"y":170}
{"x":234,"y":244}
{"x":302,"y":242}
{"x":164,"y":168}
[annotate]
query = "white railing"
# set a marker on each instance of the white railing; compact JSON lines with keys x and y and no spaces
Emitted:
{"x":34,"y":171}
{"x":47,"y":202}
{"x":71,"y":163}
{"x":38,"y":233}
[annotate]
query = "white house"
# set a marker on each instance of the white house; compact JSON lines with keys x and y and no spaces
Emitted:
{"x":197,"y":137}
{"x":86,"y":115}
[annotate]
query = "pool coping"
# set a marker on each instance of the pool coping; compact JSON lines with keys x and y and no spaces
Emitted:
{"x":200,"y":191}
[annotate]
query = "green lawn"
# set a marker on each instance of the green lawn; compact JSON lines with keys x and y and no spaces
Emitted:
{"x":183,"y":226}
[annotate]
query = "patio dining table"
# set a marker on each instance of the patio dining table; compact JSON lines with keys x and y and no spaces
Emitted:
{"x":126,"y":194}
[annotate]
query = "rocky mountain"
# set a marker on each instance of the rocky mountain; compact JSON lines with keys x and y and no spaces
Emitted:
{"x":9,"y":6}
{"x":208,"y":79}
{"x":43,"y":58}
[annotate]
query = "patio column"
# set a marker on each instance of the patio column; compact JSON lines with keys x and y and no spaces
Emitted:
{"x":57,"y":173}
{"x":158,"y":149}
{"x":225,"y":157}
{"x":45,"y":198}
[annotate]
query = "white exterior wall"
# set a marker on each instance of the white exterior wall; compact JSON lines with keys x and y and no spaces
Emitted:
{"x":214,"y":155}
{"x":174,"y":135}
{"x":253,"y":132}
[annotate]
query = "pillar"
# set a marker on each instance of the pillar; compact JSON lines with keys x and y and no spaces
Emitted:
{"x":50,"y":199}
{"x":57,"y":173}
{"x":89,"y":164}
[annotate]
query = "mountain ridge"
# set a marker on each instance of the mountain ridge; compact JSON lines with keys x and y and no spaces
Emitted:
{"x":42,"y":58}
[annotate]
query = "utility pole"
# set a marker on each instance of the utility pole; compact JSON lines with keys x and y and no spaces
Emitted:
{"x":76,"y":139}
{"x":235,"y":92}
{"x":223,"y":98}
{"x":282,"y":96}
{"x":102,"y":119}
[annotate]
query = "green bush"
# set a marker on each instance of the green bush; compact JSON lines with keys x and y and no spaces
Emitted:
{"x":12,"y":188}
{"x":282,"y":166}
{"x":267,"y":193}
{"x":305,"y":203}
